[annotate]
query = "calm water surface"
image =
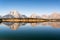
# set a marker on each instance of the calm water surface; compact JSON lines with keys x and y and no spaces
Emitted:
{"x":30,"y":30}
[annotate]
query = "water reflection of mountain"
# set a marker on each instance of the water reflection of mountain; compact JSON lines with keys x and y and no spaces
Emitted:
{"x":53,"y":24}
{"x":13,"y":26}
{"x":35,"y":24}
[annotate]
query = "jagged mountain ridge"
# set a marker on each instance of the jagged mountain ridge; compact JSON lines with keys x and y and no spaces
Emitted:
{"x":14,"y":14}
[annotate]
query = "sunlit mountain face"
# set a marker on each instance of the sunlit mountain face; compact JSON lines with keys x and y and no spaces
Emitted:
{"x":14,"y":14}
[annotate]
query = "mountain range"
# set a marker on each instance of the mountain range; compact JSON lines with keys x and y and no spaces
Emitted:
{"x":16,"y":14}
{"x":51,"y":16}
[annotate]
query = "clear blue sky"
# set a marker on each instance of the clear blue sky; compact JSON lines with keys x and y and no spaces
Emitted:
{"x":27,"y":7}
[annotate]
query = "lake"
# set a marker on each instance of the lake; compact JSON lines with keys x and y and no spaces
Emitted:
{"x":28,"y":31}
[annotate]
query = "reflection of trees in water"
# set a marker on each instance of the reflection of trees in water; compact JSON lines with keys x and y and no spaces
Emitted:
{"x":13,"y":26}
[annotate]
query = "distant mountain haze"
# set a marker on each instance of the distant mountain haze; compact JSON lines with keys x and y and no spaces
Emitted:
{"x":54,"y":16}
{"x":34,"y":16}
